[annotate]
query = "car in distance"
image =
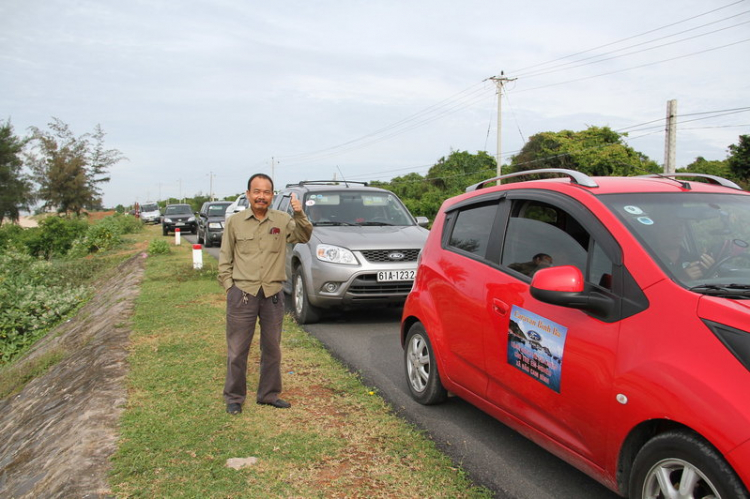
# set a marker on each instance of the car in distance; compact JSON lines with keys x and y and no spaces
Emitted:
{"x":211,"y":222}
{"x":362,"y":253}
{"x":150,"y":213}
{"x":238,"y":205}
{"x":178,"y":216}
{"x":626,"y":352}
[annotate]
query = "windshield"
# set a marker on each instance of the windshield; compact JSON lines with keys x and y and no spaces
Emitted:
{"x":217,"y":210}
{"x":356,"y":208}
{"x":701,"y":240}
{"x":179,"y":209}
{"x":149,"y":207}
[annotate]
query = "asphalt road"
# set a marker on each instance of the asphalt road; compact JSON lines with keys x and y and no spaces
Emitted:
{"x":492,"y":454}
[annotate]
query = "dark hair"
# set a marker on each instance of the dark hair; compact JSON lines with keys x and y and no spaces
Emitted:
{"x":540,"y":255}
{"x":259,"y":175}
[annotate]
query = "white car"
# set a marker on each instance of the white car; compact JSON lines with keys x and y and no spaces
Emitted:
{"x":238,"y":205}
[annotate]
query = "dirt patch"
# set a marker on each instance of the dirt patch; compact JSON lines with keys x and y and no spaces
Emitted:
{"x":57,"y":435}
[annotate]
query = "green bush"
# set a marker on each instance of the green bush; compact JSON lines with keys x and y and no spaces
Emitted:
{"x":105,"y":234}
{"x":54,"y":236}
{"x":31,"y":299}
{"x":158,"y":247}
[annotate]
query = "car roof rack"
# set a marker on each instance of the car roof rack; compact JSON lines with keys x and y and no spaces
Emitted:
{"x":712,"y":179}
{"x":575,"y":176}
{"x":326,"y":182}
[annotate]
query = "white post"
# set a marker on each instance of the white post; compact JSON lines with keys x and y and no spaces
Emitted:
{"x":197,"y":256}
{"x":177,"y":236}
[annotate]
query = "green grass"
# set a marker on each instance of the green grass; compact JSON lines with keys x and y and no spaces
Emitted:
{"x":340,"y":439}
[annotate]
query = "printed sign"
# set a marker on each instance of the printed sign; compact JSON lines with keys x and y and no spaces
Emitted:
{"x":536,"y":346}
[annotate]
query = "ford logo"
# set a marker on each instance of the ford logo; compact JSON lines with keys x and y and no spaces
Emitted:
{"x":534,"y":336}
{"x":396,"y":255}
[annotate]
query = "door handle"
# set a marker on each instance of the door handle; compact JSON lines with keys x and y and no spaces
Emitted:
{"x":500,"y":306}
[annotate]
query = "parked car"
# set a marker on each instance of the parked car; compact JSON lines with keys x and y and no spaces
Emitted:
{"x":628,"y":355}
{"x":238,"y":205}
{"x":178,"y":216}
{"x":363,"y":250}
{"x":150,"y":213}
{"x":211,"y":222}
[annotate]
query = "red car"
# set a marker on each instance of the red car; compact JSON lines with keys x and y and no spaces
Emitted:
{"x":605,"y":318}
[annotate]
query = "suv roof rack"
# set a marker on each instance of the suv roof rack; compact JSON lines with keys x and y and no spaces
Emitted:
{"x":326,"y":182}
{"x":575,"y":177}
{"x":712,"y":179}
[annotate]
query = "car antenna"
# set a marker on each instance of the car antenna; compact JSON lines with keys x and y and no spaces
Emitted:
{"x":342,"y":176}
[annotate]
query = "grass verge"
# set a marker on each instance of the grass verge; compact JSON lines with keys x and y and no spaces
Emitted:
{"x":340,"y":438}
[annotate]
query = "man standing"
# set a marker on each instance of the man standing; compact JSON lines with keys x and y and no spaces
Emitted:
{"x":252,"y":270}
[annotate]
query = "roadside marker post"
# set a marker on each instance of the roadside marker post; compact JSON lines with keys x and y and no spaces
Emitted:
{"x":177,"y":237}
{"x":197,"y":256}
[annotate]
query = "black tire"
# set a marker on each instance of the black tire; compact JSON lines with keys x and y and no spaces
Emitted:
{"x":673,"y":453}
{"x":164,"y":231}
{"x":422,"y":374}
{"x":304,"y":312}
{"x":200,"y":239}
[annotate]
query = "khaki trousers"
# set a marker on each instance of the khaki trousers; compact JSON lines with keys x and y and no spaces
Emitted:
{"x":243,"y":310}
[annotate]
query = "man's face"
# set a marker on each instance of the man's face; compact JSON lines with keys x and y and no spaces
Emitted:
{"x":260,"y":195}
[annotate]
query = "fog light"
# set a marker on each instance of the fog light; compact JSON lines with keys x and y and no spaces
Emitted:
{"x":330,"y":287}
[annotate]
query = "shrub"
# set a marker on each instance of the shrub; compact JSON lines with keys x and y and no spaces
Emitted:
{"x":30,"y":301}
{"x":158,"y":247}
{"x":54,"y":236}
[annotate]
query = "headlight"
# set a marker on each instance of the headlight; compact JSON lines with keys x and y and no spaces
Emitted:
{"x":214,"y":225}
{"x":335,"y":254}
{"x":168,"y":220}
{"x":737,"y":341}
{"x":191,"y":219}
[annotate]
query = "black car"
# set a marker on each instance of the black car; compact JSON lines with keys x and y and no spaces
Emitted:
{"x":211,"y":222}
{"x":178,"y":216}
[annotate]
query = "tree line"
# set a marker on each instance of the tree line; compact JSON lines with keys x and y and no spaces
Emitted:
{"x":54,"y":166}
{"x":67,"y":170}
{"x":596,"y":151}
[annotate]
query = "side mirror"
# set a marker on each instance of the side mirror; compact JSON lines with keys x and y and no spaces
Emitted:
{"x":423,"y":221}
{"x":565,"y":286}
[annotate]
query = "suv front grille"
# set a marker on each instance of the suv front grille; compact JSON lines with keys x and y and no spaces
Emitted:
{"x":368,"y":285}
{"x":382,"y":256}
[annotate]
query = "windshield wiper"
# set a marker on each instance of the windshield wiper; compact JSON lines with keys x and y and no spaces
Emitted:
{"x":374,"y":223}
{"x":331,"y":223}
{"x":725,"y":290}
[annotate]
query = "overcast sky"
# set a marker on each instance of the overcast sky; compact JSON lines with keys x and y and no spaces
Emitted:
{"x":205,"y":93}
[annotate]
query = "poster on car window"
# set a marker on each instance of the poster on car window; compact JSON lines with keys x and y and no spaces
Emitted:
{"x":536,"y":346}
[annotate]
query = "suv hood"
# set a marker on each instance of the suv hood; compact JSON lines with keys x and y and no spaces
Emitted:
{"x":371,"y":237}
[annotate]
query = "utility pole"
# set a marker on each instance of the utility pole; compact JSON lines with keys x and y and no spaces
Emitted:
{"x":670,"y":140}
{"x":500,"y":81}
{"x":210,"y":186}
{"x":273,"y":168}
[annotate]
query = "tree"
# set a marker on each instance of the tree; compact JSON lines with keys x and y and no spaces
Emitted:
{"x":712,"y":167}
{"x":597,"y":151}
{"x":16,"y":192}
{"x":739,"y":158}
{"x":69,"y":169}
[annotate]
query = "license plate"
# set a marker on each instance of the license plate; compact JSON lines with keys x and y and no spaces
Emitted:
{"x":396,"y":275}
{"x":180,"y":224}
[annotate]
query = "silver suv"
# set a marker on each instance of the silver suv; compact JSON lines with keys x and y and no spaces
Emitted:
{"x":363,"y":250}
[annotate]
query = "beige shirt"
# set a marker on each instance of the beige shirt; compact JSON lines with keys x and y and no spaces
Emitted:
{"x":253,"y":252}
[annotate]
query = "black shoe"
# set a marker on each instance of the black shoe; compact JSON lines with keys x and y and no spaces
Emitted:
{"x":234,"y":408}
{"x":278,"y":403}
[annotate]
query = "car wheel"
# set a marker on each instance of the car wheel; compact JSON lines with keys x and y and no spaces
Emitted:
{"x":421,"y":368}
{"x":682,"y":464}
{"x":200,"y":239}
{"x":304,"y":312}
{"x":164,"y":231}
